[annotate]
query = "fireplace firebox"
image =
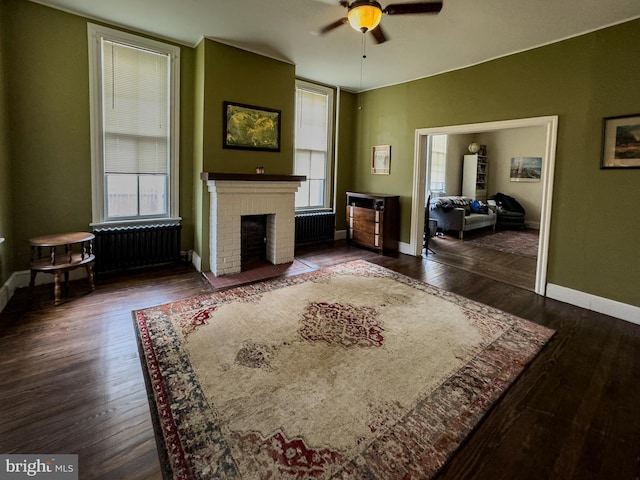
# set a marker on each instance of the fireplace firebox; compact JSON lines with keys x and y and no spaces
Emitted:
{"x":253,"y":237}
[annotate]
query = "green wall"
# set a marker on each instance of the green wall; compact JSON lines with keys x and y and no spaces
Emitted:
{"x":6,"y":249}
{"x":48,"y":111}
{"x":45,"y":183}
{"x":345,"y":155}
{"x":226,"y":73}
{"x":594,"y":230}
{"x":239,"y":76}
{"x":47,"y":56}
{"x":49,"y":123}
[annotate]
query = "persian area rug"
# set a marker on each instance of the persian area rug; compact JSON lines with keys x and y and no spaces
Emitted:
{"x":518,"y":242}
{"x":352,"y":371}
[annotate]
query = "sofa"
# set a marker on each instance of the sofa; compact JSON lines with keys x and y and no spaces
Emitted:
{"x":456,"y":213}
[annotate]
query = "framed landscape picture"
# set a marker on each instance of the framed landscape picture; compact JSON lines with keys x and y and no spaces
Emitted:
{"x":248,"y":127}
{"x":621,"y":142}
{"x":526,"y":169}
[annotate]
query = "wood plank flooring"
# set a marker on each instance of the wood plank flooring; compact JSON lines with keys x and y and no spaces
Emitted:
{"x":506,"y":267}
{"x":71,"y":380}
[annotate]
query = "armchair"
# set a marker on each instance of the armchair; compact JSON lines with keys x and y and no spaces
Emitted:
{"x":510,"y":212}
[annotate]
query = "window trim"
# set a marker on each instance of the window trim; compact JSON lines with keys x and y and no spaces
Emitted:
{"x":328,"y":182}
{"x":98,"y":203}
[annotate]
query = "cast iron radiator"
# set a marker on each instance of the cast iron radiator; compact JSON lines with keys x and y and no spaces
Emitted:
{"x":121,"y":248}
{"x":315,"y":227}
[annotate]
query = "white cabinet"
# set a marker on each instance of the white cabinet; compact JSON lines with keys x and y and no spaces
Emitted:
{"x":474,"y":177}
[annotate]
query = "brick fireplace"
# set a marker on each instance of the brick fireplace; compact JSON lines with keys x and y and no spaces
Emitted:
{"x":233,"y":196}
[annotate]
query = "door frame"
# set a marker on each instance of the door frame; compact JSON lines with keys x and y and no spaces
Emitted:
{"x":548,"y":169}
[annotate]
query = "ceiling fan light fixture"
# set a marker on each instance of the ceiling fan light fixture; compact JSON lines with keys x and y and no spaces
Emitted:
{"x":364,"y":16}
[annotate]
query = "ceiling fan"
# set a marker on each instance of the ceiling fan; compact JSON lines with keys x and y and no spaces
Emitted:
{"x":365,"y":15}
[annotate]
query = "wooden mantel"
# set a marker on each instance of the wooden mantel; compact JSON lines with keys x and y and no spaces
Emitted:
{"x":252,"y":177}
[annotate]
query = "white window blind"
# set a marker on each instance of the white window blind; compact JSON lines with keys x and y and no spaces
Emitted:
{"x":314,"y":107}
{"x":312,"y":120}
{"x":438,"y":163}
{"x":136,"y":110}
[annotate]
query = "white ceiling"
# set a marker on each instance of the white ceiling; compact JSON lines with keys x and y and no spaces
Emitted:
{"x":465,"y":32}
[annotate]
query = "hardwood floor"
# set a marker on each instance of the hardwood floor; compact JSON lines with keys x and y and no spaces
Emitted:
{"x":71,"y":380}
{"x":517,"y":270}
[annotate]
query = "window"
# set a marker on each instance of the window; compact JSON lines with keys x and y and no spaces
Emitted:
{"x":134,"y":123}
{"x":313,"y":135}
{"x":438,"y":164}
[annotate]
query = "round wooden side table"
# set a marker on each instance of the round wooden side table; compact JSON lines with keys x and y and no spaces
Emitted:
{"x":60,"y":253}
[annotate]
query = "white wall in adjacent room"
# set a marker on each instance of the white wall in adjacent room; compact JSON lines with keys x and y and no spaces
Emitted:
{"x":501,"y":147}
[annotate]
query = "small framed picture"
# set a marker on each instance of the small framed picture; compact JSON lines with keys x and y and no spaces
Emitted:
{"x":525,"y":169}
{"x":621,"y":142}
{"x":380,"y":159}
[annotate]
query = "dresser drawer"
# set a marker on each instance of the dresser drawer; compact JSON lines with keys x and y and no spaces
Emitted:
{"x":368,"y":239}
{"x":364,"y":219}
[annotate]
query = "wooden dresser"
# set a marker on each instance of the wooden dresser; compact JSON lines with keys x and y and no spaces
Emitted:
{"x":373,"y":220}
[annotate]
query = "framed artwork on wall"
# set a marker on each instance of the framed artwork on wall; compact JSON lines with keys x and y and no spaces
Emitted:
{"x":380,"y":159}
{"x":525,"y":169}
{"x":247,"y":127}
{"x":621,"y":142}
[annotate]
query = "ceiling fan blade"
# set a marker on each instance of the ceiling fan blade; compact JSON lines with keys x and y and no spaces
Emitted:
{"x":379,"y":35}
{"x":342,"y":3}
{"x":407,"y":8}
{"x":333,"y":25}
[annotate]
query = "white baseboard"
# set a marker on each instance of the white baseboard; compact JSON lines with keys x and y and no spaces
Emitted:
{"x":5,"y":296}
{"x":532,"y":225}
{"x":405,"y":248}
{"x":196,"y":261}
{"x":21,"y":279}
{"x":340,"y":235}
{"x":6,"y":292}
{"x":613,"y":308}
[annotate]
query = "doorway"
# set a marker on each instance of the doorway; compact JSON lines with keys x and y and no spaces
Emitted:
{"x":550,"y":124}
